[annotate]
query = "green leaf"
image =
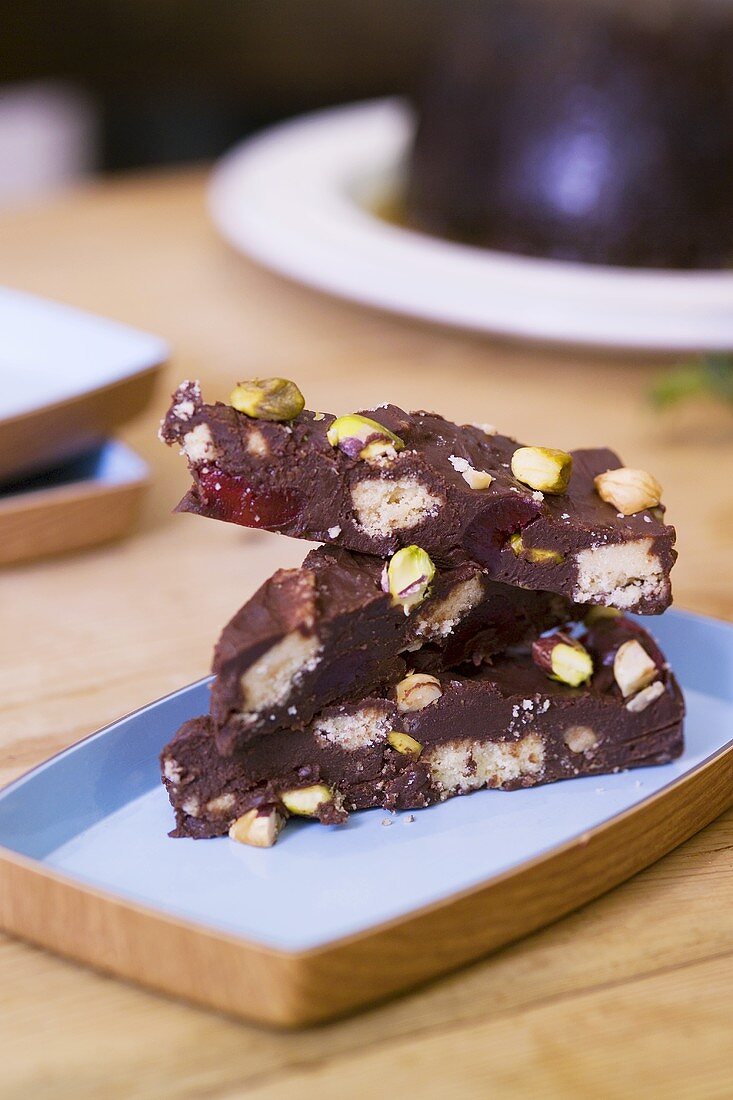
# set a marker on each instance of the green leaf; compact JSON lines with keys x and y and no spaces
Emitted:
{"x":709,"y":374}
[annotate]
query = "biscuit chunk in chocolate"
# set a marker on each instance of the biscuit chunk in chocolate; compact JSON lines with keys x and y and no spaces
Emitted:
{"x":426,"y":738}
{"x":384,"y":479}
{"x":330,"y":630}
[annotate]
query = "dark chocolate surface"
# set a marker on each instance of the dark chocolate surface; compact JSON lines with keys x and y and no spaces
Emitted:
{"x":581,"y":131}
{"x":288,"y":478}
{"x":336,"y":598}
{"x":510,"y":707}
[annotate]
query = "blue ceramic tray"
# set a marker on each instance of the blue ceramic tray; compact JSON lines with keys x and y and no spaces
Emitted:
{"x":94,"y":821}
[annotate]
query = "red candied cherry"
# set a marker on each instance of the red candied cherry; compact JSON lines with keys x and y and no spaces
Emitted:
{"x":231,"y":498}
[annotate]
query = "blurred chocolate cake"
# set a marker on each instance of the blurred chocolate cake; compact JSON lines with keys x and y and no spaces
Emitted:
{"x":582,"y":130}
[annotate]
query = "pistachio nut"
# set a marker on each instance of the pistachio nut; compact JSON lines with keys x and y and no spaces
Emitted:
{"x":629,"y":491}
{"x":534,"y":553}
{"x":305,"y":801}
{"x":477,"y":479}
{"x":645,"y":697}
{"x":402,"y":742}
{"x":409,"y":574}
{"x":542,"y":468}
{"x":563,"y":658}
{"x":268,"y":399}
{"x":258,"y":828}
{"x":359,"y":437}
{"x":633,"y":668}
{"x":416,"y":691}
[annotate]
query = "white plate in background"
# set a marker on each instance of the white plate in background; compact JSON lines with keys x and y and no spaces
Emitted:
{"x":67,"y":378}
{"x":298,"y":198}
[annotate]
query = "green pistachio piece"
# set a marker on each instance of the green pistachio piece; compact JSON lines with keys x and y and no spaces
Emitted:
{"x":542,"y":468}
{"x":563,"y":658}
{"x":408,"y":577}
{"x":537,"y":555}
{"x":534,"y":553}
{"x":571,"y":665}
{"x":268,"y":399}
{"x":304,"y":801}
{"x":402,"y":742}
{"x":359,"y":437}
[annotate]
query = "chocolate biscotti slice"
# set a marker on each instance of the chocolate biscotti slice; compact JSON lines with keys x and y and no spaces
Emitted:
{"x":579,"y":523}
{"x":343,"y":624}
{"x":514,"y":723}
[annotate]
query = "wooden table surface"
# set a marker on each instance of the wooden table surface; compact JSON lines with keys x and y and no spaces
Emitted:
{"x":632,"y":995}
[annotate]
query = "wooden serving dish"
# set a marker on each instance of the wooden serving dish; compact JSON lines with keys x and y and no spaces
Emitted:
{"x":86,"y":501}
{"x":328,"y":921}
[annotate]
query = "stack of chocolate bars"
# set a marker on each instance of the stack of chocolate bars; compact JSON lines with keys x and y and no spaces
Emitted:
{"x":462,"y":628}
